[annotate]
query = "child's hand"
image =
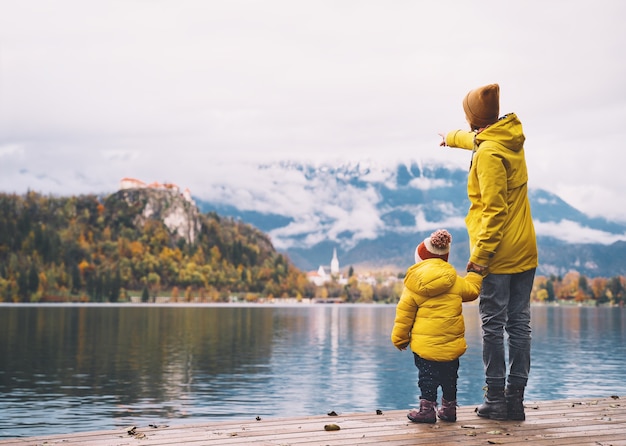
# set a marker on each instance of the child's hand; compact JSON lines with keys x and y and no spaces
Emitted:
{"x":476,"y":268}
{"x":402,"y":347}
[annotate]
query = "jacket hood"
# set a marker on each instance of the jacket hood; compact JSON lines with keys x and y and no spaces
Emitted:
{"x":507,"y":132}
{"x":430,"y":277}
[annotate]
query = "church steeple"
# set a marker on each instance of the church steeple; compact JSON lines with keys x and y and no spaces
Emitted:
{"x":334,"y":263}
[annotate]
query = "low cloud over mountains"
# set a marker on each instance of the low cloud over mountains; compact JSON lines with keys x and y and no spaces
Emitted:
{"x":375,"y":214}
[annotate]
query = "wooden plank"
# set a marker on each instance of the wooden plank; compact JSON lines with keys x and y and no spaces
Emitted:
{"x":598,"y":422}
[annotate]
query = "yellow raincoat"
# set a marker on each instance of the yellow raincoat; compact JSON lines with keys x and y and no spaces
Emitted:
{"x":499,"y":221}
{"x":429,"y":314}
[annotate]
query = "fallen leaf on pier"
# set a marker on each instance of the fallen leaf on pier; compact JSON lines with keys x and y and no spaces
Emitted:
{"x":332,"y":413}
{"x":331,"y":427}
{"x":133,"y":432}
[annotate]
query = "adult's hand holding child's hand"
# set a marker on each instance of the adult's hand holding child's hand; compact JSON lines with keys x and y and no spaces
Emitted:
{"x":476,"y":268}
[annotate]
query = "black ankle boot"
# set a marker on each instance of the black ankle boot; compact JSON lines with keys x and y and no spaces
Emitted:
{"x":515,"y":403}
{"x":494,"y":406}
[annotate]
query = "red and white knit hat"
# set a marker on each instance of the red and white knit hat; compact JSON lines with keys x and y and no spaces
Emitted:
{"x":437,"y":246}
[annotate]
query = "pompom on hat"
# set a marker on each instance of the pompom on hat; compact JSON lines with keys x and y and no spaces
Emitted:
{"x":482,"y":106}
{"x":437,"y":246}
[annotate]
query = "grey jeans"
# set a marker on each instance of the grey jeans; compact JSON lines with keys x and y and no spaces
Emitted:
{"x":505,"y":306}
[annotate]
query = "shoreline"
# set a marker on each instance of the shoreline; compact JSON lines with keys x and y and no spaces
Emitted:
{"x":288,"y":302}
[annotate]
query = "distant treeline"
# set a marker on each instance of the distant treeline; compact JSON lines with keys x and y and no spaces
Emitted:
{"x":576,"y":287}
{"x":87,"y":248}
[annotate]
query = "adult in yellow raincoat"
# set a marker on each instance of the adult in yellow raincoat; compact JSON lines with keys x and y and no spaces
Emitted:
{"x":502,"y":243}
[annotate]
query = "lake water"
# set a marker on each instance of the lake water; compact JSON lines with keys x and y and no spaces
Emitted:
{"x":70,"y":368}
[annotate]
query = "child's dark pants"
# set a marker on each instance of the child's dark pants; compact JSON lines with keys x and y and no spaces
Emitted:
{"x":433,"y":374}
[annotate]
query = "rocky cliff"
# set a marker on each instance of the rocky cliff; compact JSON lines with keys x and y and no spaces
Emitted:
{"x":180,"y":215}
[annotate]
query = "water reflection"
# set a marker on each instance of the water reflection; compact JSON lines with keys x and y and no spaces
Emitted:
{"x":75,"y":368}
{"x":579,"y":351}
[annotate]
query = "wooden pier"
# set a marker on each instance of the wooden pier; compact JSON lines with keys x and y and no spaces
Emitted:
{"x":598,"y":422}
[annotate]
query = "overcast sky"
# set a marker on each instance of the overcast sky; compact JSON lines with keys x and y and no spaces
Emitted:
{"x":192,"y":91}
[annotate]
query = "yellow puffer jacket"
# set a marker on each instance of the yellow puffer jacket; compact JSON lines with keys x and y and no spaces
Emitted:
{"x":499,"y":221}
{"x":429,"y":315}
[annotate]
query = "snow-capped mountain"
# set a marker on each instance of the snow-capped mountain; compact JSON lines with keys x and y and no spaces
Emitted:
{"x":375,"y":216}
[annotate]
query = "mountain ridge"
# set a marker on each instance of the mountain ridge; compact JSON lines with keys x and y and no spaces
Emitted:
{"x":375,"y":215}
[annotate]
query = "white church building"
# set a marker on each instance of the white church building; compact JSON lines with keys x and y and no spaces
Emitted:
{"x":325,"y":274}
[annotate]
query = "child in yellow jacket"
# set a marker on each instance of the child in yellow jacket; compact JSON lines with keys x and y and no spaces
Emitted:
{"x":429,"y":319}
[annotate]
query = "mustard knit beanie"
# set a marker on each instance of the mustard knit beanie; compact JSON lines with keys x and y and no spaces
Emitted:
{"x":482,"y":106}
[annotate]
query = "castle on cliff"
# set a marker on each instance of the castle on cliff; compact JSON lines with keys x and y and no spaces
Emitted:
{"x":132,"y":183}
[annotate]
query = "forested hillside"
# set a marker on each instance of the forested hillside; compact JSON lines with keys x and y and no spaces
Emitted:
{"x":98,"y":249}
{"x":149,"y":243}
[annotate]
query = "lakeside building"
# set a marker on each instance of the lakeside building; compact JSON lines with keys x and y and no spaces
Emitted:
{"x":133,"y":183}
{"x":325,"y":274}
